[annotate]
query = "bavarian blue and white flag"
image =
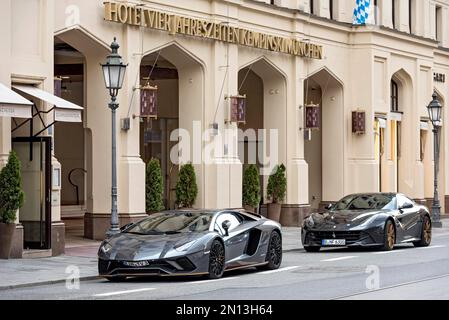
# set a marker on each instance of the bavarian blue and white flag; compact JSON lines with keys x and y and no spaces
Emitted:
{"x":364,"y":12}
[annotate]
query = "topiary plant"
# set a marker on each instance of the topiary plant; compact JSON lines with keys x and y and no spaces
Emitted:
{"x":277,"y":185}
{"x":154,"y":187}
{"x":251,"y":186}
{"x":186,"y":187}
{"x":11,"y":193}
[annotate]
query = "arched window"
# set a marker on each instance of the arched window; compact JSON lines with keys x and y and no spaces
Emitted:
{"x":394,"y":96}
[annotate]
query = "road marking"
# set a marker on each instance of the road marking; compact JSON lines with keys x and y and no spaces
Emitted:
{"x":280,"y":270}
{"x":432,"y":247}
{"x":117,"y":293}
{"x":339,"y":259}
{"x":212,"y":280}
{"x":389,"y":252}
{"x":391,"y":287}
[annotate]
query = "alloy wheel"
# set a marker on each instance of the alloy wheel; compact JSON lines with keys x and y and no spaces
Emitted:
{"x":427,"y":231}
{"x":391,"y":237}
{"x":217,"y":260}
{"x":275,"y":250}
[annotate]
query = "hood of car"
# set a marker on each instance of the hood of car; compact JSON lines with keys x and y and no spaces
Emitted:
{"x":343,"y":218}
{"x":130,"y":247}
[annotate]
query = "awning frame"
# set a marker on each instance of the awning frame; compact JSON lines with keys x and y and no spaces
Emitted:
{"x":38,"y":113}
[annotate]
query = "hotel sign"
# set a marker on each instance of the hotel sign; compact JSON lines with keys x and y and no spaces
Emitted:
{"x":174,"y":24}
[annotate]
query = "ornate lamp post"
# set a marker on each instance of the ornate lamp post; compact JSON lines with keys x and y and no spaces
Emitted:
{"x":435,"y":116}
{"x":114,"y":74}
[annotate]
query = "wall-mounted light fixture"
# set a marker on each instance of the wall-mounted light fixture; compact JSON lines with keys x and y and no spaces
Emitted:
{"x":358,"y":122}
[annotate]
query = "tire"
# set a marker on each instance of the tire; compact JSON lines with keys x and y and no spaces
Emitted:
{"x":312,"y":249}
{"x":116,"y":279}
{"x":216,"y":260}
{"x":426,"y":233}
{"x":389,"y":237}
{"x":274,"y":252}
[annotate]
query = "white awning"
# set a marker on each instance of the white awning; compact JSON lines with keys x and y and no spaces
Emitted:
{"x":64,"y":111}
{"x":13,"y":105}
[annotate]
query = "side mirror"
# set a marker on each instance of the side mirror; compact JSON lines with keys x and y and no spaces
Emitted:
{"x":329,"y":206}
{"x":126,"y":226}
{"x":226,"y":225}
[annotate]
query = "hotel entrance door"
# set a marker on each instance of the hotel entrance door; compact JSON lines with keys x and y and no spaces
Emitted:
{"x":35,"y":215}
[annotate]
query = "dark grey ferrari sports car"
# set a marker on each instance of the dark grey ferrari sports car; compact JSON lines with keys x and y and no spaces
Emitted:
{"x":368,"y":220}
{"x":191,"y":242}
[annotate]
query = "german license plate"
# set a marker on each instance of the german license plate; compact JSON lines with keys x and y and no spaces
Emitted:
{"x":334,"y":243}
{"x":136,"y":263}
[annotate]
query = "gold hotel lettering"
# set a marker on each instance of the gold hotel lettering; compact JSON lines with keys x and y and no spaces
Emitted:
{"x":174,"y":24}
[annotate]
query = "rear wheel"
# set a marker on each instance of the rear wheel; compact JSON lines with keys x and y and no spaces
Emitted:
{"x":426,"y":234}
{"x":312,"y":249}
{"x":389,"y":237}
{"x":274,"y":252}
{"x":216,"y":260}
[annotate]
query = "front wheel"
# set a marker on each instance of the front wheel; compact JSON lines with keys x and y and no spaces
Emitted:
{"x":389,"y":237}
{"x":274,"y":252}
{"x":216,"y":260}
{"x":426,"y":234}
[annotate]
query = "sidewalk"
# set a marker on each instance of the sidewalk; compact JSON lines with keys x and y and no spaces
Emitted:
{"x":81,"y":254}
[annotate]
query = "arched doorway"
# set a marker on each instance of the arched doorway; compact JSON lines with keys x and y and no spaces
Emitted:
{"x":401,"y":132}
{"x":263,"y":136}
{"x":324,"y":146}
{"x":179,"y":81}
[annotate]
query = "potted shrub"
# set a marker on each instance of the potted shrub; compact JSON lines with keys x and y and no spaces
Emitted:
{"x":277,"y":187}
{"x":11,"y":200}
{"x":186,"y":187}
{"x":154,"y":187}
{"x":251,"y":188}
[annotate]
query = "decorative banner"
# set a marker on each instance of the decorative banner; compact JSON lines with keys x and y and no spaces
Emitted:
{"x":238,"y":109}
{"x":148,"y":102}
{"x":313,"y":120}
{"x":358,"y":122}
{"x":58,"y":87}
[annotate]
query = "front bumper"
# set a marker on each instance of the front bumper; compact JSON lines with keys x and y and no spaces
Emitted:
{"x":179,"y":266}
{"x":354,"y":238}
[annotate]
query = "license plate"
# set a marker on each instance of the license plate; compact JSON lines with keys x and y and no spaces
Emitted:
{"x":334,"y":242}
{"x":136,"y":263}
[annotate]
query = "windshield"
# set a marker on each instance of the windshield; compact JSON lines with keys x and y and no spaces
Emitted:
{"x":171,"y":223}
{"x":366,"y":202}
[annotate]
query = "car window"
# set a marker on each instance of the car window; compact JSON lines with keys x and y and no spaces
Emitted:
{"x":173,"y":222}
{"x":365,"y":202}
{"x":403,"y":201}
{"x":232,"y":218}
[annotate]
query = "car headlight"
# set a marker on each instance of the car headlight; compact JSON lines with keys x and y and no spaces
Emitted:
{"x":105,"y":248}
{"x":185,"y":246}
{"x":309,"y":223}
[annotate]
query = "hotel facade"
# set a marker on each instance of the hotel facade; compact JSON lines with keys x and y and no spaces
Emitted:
{"x":304,"y":70}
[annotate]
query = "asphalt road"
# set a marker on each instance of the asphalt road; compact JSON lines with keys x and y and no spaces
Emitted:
{"x":405,"y":273}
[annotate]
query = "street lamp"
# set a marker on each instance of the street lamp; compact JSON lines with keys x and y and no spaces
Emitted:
{"x":114,"y":74}
{"x":435,"y":116}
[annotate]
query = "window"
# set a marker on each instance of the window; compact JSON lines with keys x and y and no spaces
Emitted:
{"x":232,"y":218}
{"x":438,"y":24}
{"x":376,"y":13}
{"x":331,"y":9}
{"x":311,"y":7}
{"x":423,"y":140}
{"x":393,"y":13}
{"x":411,"y":11}
{"x":394,"y":105}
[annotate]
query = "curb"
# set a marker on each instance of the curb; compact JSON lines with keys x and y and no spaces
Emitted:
{"x":43,"y":283}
